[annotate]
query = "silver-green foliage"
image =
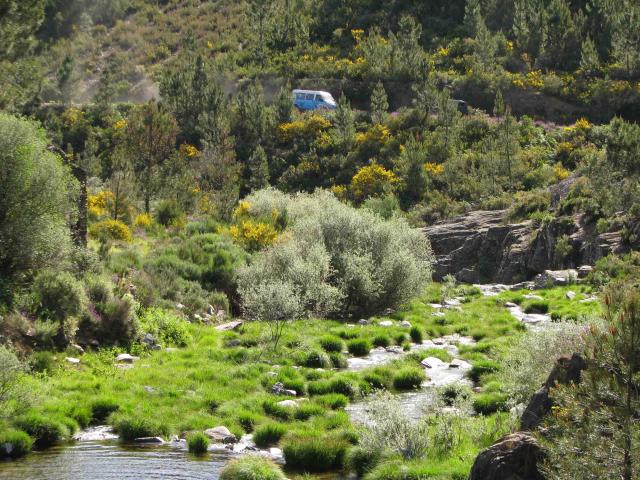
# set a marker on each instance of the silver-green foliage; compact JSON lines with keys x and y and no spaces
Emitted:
{"x":34,"y":200}
{"x":333,"y":260}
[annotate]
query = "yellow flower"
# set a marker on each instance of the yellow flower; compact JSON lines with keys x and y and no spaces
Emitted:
{"x":243,"y":209}
{"x":560,"y":172}
{"x":209,"y":45}
{"x":357,"y":34}
{"x":254,"y":235}
{"x":509,"y":45}
{"x":372,"y":180}
{"x":189,"y":150}
{"x":143,"y":220}
{"x":434,"y":169}
{"x":120,"y":125}
{"x":443,"y":52}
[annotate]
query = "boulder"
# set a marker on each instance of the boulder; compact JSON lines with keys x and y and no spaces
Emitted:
{"x":363,"y":321}
{"x":570,"y":295}
{"x":288,"y":404}
{"x":149,"y":440}
{"x":278,"y":389}
{"x":126,"y":358}
{"x":513,"y":457}
{"x":405,"y":323}
{"x":584,"y":271}
{"x":386,"y":323}
{"x":565,"y":371}
{"x":229,"y":326}
{"x":221,"y":434}
{"x":555,"y":278}
{"x":458,"y":363}
{"x":77,"y":348}
{"x":432,"y":362}
{"x":72,"y":360}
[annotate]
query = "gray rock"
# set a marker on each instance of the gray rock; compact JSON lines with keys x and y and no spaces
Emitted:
{"x":77,"y":348}
{"x":555,"y":278}
{"x":570,"y":295}
{"x":278,"y":389}
{"x":221,"y":434}
{"x":149,"y":440}
{"x":363,"y":321}
{"x":385,"y":323}
{"x":405,"y":323}
{"x":288,"y":404}
{"x":149,"y":389}
{"x":126,"y":358}
{"x":458,"y":363}
{"x":432,"y":362}
{"x":584,"y":271}
{"x":513,"y":457}
{"x":72,"y":360}
{"x":229,"y":326}
{"x":510,"y":305}
{"x":179,"y":306}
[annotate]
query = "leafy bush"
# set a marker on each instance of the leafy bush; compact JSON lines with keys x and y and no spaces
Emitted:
{"x":251,"y":467}
{"x":317,"y":360}
{"x":14,"y":443}
{"x":119,"y":323}
{"x":333,"y":401}
{"x":169,"y":213}
{"x":131,"y":428}
{"x":338,"y":360}
{"x":408,"y":378}
{"x":336,"y":260}
{"x":41,"y":362}
{"x":488,"y":403}
{"x":198,"y":443}
{"x":269,"y":434}
{"x":359,"y":347}
{"x":362,"y":461}
{"x":108,"y":230}
{"x":537,"y":306}
{"x":59,"y":294}
{"x":329,"y":343}
{"x":45,"y":432}
{"x":307,"y":410}
{"x":416,"y":335}
{"x":166,"y":327}
{"x":314,"y":453}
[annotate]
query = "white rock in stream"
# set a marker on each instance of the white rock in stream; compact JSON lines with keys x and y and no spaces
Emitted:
{"x":96,"y":434}
{"x":432,"y":362}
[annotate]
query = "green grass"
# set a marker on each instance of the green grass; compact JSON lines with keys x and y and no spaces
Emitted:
{"x":314,"y":453}
{"x":408,"y":378}
{"x":14,"y":444}
{"x":198,"y":443}
{"x":251,"y":467}
{"x":269,"y":434}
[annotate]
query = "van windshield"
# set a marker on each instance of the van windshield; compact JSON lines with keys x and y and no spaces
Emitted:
{"x":327,"y":97}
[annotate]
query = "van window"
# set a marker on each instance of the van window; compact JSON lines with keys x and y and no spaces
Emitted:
{"x":319,"y":98}
{"x":300,"y":96}
{"x":309,"y":96}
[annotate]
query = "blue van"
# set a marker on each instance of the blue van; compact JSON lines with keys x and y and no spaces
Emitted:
{"x":313,"y":100}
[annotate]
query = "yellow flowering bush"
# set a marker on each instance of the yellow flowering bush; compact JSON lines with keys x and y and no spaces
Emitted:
{"x":434,"y":169}
{"x":340,"y":191}
{"x":254,"y":236}
{"x":143,"y":220}
{"x":111,"y":230}
{"x":120,"y":125}
{"x":243,"y":209}
{"x":372,"y":180}
{"x":377,"y":134}
{"x":98,"y":205}
{"x":189,"y":150}
{"x":560,"y":172}
{"x":71,"y":116}
{"x":308,"y":127}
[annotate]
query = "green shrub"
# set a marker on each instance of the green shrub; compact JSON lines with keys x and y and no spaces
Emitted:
{"x":102,"y":407}
{"x":381,"y":341}
{"x":314,"y":453}
{"x":198,"y":443}
{"x":401,"y":338}
{"x":416,"y":335}
{"x":408,"y":378}
{"x":488,"y":403}
{"x":359,"y":347}
{"x":317,"y":360}
{"x":482,"y":367}
{"x":329,"y":343}
{"x":136,"y":427}
{"x":537,"y":306}
{"x":247,"y":420}
{"x":107,"y":230}
{"x":168,"y":213}
{"x":251,"y":467}
{"x":269,"y":434}
{"x":166,"y":327}
{"x":338,"y":360}
{"x":44,"y":432}
{"x":376,"y":381}
{"x":81,"y":414}
{"x":14,"y":444}
{"x":59,"y":295}
{"x":362,"y":461}
{"x":42,"y":362}
{"x":119,"y":325}
{"x":348,"y":334}
{"x":272,"y":409}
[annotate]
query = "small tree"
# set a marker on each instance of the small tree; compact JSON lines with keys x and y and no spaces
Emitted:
{"x":589,"y":60}
{"x":379,"y":103}
{"x":284,"y":105}
{"x":258,"y":169}
{"x":594,"y":429}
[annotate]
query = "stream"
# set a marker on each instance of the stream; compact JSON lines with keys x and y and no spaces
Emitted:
{"x":97,"y":453}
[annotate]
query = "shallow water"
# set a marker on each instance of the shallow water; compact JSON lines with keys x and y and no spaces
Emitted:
{"x":110,"y":460}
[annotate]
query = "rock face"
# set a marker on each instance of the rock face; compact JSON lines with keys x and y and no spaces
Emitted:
{"x":566,"y":371}
{"x":514,"y":457}
{"x":481,"y":246}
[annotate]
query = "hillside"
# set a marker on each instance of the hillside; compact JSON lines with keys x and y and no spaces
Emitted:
{"x":260,"y":233}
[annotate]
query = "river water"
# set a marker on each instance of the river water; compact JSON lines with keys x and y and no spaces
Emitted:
{"x":100,"y":456}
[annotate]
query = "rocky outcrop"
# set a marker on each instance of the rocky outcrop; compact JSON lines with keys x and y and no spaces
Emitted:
{"x":482,"y":246}
{"x":513,"y":457}
{"x":565,"y":371}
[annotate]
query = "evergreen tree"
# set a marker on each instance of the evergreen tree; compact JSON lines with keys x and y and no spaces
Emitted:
{"x":344,"y":125}
{"x":284,"y":104}
{"x":589,"y":61}
{"x":407,"y":55}
{"x":19,"y":20}
{"x":259,"y":17}
{"x":498,"y":104}
{"x":379,"y":103}
{"x":473,"y":18}
{"x":151,"y":137}
{"x":425,"y":96}
{"x":410,"y":171}
{"x":485,"y":48}
{"x":258,"y":170}
{"x":529,"y":26}
{"x":561,"y":44}
{"x":626,"y":36}
{"x":250,"y":121}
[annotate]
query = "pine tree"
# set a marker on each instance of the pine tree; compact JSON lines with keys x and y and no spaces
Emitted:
{"x":626,"y":36}
{"x":344,"y":125}
{"x":258,"y":169}
{"x":410,"y":170}
{"x":529,"y":26}
{"x":473,"y":18}
{"x":498,"y":104}
{"x":589,"y":61}
{"x":485,"y":48}
{"x":561,"y":42}
{"x":379,"y":103}
{"x":284,"y":104}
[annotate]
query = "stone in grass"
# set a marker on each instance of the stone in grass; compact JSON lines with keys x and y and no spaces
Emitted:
{"x":510,"y":305}
{"x":514,"y":456}
{"x":570,"y":295}
{"x":221,"y":434}
{"x":432,"y":362}
{"x":278,"y":389}
{"x":126,"y":358}
{"x":363,"y":321}
{"x":72,"y":360}
{"x":461,"y":364}
{"x":288,"y":404}
{"x":386,"y":323}
{"x":405,"y":323}
{"x":229,"y":326}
